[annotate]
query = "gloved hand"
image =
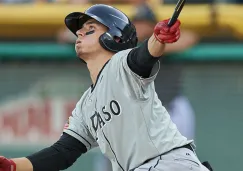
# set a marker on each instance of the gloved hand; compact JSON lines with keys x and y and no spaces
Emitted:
{"x":7,"y":164}
{"x":165,"y":34}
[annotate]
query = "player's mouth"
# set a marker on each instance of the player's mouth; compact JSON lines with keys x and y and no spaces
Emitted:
{"x":78,"y":41}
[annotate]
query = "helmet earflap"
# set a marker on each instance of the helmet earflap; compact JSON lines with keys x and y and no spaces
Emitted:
{"x":116,"y":41}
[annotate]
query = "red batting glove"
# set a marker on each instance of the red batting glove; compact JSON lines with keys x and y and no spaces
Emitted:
{"x":7,"y":164}
{"x":165,"y":34}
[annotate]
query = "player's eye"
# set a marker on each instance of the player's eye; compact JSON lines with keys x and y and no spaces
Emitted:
{"x":91,"y":27}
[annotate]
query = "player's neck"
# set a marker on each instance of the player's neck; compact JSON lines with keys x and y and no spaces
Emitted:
{"x":96,"y":64}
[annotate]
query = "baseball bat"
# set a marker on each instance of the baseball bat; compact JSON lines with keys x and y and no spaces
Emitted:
{"x":178,"y":8}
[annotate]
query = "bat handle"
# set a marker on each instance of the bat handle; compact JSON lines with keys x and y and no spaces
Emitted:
{"x":173,"y":19}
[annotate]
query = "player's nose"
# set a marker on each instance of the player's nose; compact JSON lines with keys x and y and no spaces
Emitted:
{"x":80,"y":33}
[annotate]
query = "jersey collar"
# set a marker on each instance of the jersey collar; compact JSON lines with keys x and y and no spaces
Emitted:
{"x":93,"y":86}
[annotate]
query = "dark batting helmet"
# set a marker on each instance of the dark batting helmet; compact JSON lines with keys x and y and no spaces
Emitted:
{"x":118,"y":24}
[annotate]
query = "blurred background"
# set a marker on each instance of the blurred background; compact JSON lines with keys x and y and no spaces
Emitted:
{"x":200,"y":81}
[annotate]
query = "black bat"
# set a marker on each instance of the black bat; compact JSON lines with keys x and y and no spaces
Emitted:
{"x":178,"y":8}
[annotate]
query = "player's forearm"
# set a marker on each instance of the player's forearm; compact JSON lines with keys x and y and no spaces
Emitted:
{"x":156,"y":48}
{"x":59,"y":156}
{"x":23,"y":164}
{"x":141,"y":61}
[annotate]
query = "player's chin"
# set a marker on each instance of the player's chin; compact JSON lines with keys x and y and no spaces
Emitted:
{"x":79,"y":54}
{"x":79,"y":51}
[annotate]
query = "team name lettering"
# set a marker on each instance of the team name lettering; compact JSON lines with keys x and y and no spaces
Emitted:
{"x":113,"y":109}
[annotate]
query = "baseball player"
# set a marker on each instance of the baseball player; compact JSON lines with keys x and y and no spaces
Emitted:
{"x":120,"y":112}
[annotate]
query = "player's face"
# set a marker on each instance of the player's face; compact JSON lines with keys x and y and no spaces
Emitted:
{"x":88,"y":38}
{"x":144,"y":29}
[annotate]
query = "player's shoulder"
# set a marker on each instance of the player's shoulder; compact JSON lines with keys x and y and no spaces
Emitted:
{"x":120,"y":54}
{"x":119,"y":58}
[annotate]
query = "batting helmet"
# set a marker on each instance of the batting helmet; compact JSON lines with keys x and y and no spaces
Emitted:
{"x":118,"y":24}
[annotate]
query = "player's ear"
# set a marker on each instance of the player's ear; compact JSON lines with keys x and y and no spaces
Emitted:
{"x":118,"y":39}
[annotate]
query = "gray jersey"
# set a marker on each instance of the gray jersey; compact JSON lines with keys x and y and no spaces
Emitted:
{"x":124,"y":117}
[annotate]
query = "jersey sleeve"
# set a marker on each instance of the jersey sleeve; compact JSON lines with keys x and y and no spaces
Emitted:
{"x":137,"y":86}
{"x":77,"y":128}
